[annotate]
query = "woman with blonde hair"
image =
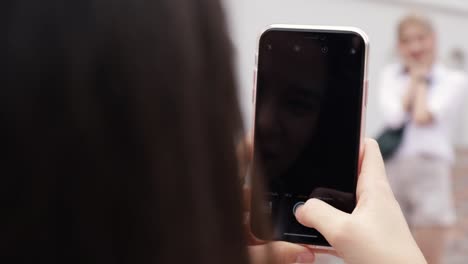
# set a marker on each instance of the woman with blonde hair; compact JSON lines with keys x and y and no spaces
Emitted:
{"x":421,"y":98}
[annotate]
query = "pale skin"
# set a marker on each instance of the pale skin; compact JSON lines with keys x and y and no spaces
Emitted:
{"x":376,"y":231}
{"x":417,"y":50}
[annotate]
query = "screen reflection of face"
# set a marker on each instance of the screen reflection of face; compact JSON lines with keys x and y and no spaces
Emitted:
{"x":307,"y":120}
{"x":288,"y":106}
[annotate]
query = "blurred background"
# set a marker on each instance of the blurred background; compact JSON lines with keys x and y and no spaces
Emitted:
{"x":379,"y":19}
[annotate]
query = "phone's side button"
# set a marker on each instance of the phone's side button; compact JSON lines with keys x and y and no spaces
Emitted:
{"x":253,"y":95}
{"x":254,"y":88}
{"x":366,"y":92}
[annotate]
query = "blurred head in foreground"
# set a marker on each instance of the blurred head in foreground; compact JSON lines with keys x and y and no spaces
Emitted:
{"x":119,"y":121}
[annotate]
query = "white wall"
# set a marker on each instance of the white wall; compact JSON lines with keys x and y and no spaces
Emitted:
{"x":377,"y":18}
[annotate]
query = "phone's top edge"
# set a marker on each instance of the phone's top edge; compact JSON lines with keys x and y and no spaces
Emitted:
{"x":349,"y":29}
{"x":324,"y":28}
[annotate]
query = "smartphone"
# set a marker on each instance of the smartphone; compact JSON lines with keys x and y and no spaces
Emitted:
{"x":310,"y":97}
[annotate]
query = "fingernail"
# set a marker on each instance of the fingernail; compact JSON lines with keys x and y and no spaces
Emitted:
{"x":305,"y":258}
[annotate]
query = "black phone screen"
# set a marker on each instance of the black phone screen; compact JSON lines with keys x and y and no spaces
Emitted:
{"x":307,"y":124}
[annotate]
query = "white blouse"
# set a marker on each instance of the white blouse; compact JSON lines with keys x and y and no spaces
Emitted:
{"x":446,"y":91}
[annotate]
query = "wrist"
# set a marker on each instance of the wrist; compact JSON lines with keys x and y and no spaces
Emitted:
{"x":421,"y":79}
{"x":409,"y":255}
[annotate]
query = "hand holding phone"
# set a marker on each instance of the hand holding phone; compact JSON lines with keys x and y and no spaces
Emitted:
{"x":354,"y":236}
{"x":376,"y":231}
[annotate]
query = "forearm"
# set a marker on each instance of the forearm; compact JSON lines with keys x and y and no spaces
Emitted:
{"x":421,"y":114}
{"x":408,"y":98}
{"x":411,"y":93}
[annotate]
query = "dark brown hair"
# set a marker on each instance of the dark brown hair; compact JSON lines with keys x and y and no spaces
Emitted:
{"x":119,"y":121}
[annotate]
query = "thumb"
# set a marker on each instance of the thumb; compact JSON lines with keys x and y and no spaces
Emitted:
{"x":325,"y":218}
